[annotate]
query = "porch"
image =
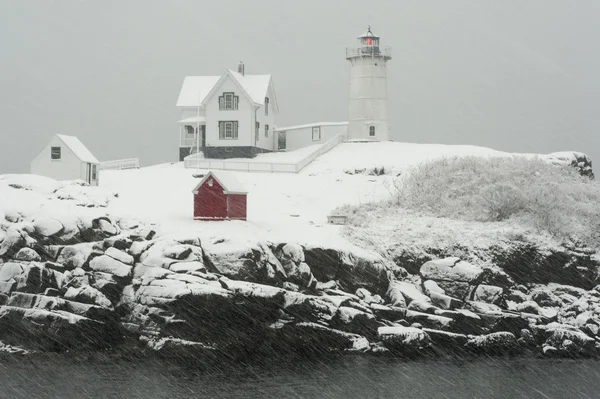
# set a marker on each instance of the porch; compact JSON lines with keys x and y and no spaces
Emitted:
{"x":192,"y":132}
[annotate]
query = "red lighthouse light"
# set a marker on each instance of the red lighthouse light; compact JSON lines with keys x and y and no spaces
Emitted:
{"x":368,"y":42}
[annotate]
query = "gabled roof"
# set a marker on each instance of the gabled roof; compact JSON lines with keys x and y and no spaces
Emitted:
{"x":194,"y":89}
{"x":230,"y":184}
{"x":197,"y":90}
{"x":78,"y":148}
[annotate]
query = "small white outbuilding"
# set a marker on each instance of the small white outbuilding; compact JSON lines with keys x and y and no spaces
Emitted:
{"x":66,"y":158}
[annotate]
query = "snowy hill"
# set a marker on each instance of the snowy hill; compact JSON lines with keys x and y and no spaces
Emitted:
{"x":280,"y":206}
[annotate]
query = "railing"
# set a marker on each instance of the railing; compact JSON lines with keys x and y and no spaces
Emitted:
{"x":131,"y":163}
{"x":385,"y":52}
{"x":194,"y":161}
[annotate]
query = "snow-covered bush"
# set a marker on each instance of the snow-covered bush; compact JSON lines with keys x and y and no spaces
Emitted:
{"x":551,"y":198}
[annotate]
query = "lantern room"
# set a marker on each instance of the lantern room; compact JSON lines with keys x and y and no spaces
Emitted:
{"x":369,"y":43}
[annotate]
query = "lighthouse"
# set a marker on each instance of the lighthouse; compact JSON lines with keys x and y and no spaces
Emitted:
{"x":368,"y":118}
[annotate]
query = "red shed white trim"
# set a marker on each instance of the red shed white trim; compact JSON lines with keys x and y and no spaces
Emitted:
{"x":220,"y":196}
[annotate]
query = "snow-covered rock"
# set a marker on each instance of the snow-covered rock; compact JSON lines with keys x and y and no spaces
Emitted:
{"x":109,"y":265}
{"x":121,"y":256}
{"x":404,"y":339}
{"x":47,"y":226}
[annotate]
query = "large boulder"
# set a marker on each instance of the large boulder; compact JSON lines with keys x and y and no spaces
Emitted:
{"x":78,"y":255}
{"x":109,"y":265}
{"x":499,"y":343}
{"x":242,"y":261}
{"x":89,"y":295}
{"x":305,"y":337}
{"x":355,"y":321}
{"x":409,"y":292}
{"x":291,"y":257}
{"x":405,"y":340}
{"x":352,"y":270}
{"x":47,"y":226}
{"x":52,"y":330}
{"x":454,"y":276}
{"x":12,"y":242}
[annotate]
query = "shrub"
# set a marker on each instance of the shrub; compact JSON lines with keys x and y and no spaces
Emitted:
{"x":551,"y":198}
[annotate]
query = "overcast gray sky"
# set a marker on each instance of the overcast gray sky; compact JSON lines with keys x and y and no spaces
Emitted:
{"x":514,"y":75}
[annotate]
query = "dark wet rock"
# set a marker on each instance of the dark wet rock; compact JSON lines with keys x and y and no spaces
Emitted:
{"x":516,"y":296}
{"x":181,"y":350}
{"x":498,"y":343}
{"x":255,"y":264}
{"x":424,"y":307}
{"x":308,"y":308}
{"x":89,"y":295}
{"x":454,"y":276}
{"x":355,"y":321}
{"x":315,"y":338}
{"x":350,"y":269}
{"x":404,"y":340}
{"x":53,"y":330}
{"x":388,"y":312}
{"x":544,"y":297}
{"x":429,"y":320}
{"x":571,"y":342}
{"x":488,"y":294}
{"x":447,"y":340}
{"x":408,"y":291}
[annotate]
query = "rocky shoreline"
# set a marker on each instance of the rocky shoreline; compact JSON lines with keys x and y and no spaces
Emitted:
{"x":112,"y":286}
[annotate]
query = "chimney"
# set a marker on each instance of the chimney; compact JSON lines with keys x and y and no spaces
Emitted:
{"x":241,"y":68}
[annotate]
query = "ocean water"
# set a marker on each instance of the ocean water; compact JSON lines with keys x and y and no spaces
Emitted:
{"x":341,"y":377}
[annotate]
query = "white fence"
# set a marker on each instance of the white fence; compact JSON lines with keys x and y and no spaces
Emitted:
{"x":195,"y":161}
{"x":130,"y":163}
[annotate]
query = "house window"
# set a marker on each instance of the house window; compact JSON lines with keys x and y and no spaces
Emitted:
{"x":372,"y":131}
{"x":228,"y":101}
{"x":94,"y":176}
{"x":266,"y":130}
{"x":266,"y":105}
{"x":316,"y":133}
{"x":189,"y":129}
{"x":55,"y":153}
{"x":256,"y":131}
{"x":228,"y":130}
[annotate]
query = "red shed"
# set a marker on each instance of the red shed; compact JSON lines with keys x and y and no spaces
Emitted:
{"x":220,"y":196}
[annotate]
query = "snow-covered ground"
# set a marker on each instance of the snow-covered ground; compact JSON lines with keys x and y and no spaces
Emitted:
{"x":281,"y":207}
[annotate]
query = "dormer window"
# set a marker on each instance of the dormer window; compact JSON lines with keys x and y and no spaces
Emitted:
{"x":55,"y":153}
{"x":228,"y":101}
{"x":266,"y":105}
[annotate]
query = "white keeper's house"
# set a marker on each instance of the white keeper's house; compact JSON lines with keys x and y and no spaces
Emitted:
{"x":234,"y":115}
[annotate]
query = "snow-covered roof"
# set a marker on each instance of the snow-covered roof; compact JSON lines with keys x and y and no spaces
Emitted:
{"x":195,"y":89}
{"x":256,"y":86}
{"x":228,"y":181}
{"x":368,"y":33}
{"x":78,"y":148}
{"x":286,"y":128}
{"x":193,"y":119}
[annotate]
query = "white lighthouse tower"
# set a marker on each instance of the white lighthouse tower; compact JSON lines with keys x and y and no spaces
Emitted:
{"x":368,"y":119}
